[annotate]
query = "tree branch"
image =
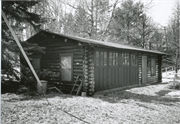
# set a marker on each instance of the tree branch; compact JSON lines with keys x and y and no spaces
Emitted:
{"x":112,"y":15}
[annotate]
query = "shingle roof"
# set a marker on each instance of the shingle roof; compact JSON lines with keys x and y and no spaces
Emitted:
{"x":103,"y":43}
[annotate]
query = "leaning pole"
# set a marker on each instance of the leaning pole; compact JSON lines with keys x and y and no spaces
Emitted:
{"x":22,"y":51}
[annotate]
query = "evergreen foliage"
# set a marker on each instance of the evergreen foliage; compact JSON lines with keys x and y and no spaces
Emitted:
{"x":19,"y":14}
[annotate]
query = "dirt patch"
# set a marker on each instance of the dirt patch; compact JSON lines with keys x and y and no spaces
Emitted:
{"x":163,"y":92}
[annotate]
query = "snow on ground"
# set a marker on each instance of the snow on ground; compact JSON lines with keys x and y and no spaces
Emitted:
{"x":174,"y":94}
{"x":170,"y":74}
{"x":152,"y":104}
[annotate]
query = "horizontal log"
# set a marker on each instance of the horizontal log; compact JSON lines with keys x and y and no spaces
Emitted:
{"x":51,"y":67}
{"x":90,"y":56}
{"x":75,"y":76}
{"x":66,"y":51}
{"x":77,"y":73}
{"x":91,"y":90}
{"x":54,"y":70}
{"x":50,"y":56}
{"x":57,"y":42}
{"x":51,"y":63}
{"x":85,"y":81}
{"x":90,"y":64}
{"x":91,"y":86}
{"x":79,"y":64}
{"x":78,"y":67}
{"x":57,"y":48}
{"x":86,"y":50}
{"x":77,"y":60}
{"x":77,"y":70}
{"x":78,"y":56}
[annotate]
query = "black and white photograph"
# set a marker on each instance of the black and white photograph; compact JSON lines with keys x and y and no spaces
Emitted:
{"x":90,"y":61}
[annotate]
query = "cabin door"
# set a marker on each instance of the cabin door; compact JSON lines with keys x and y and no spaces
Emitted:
{"x":144,"y":69}
{"x":36,"y":63}
{"x":66,"y":67}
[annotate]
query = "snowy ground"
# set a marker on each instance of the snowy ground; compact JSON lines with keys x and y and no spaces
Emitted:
{"x":170,"y":74}
{"x":153,"y":104}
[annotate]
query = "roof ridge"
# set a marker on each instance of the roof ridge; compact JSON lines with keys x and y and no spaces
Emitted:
{"x":98,"y":42}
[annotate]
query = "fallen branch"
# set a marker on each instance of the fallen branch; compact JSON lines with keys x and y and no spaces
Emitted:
{"x":56,"y":89}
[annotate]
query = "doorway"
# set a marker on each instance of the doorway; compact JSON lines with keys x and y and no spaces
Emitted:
{"x":144,"y":69}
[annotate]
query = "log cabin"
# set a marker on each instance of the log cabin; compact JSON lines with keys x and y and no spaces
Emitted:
{"x":103,"y":65}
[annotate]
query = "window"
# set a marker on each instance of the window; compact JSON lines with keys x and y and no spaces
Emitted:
{"x":101,"y":58}
{"x":97,"y":58}
{"x":113,"y":58}
{"x":125,"y":58}
{"x":133,"y":59}
{"x":117,"y":59}
{"x":153,"y":67}
{"x":66,"y":67}
{"x":105,"y":58}
{"x":114,"y":55}
{"x":110,"y":58}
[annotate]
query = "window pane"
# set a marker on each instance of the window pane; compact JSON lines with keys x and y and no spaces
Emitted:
{"x":101,"y":58}
{"x":132,"y":61}
{"x":105,"y":58}
{"x":127,"y":58}
{"x":123,"y":58}
{"x":66,"y":68}
{"x":135,"y":60}
{"x":114,"y":56}
{"x":110,"y":58}
{"x":117,"y":58}
{"x":97,"y":58}
{"x":66,"y":62}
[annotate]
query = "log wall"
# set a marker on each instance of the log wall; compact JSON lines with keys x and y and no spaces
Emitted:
{"x":51,"y":60}
{"x":84,"y":63}
{"x":158,"y":75}
{"x":140,"y":68}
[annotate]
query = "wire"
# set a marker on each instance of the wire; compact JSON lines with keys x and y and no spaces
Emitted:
{"x":66,"y":111}
{"x":73,"y":115}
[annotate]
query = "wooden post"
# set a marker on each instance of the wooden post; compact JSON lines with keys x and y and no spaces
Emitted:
{"x":22,"y":50}
{"x":85,"y":70}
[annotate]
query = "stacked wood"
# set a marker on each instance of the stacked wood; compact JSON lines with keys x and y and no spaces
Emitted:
{"x":140,"y":68}
{"x":85,"y":69}
{"x":90,"y":73}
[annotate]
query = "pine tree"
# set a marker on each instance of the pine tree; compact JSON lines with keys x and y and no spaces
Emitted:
{"x":19,"y":14}
{"x":125,"y":21}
